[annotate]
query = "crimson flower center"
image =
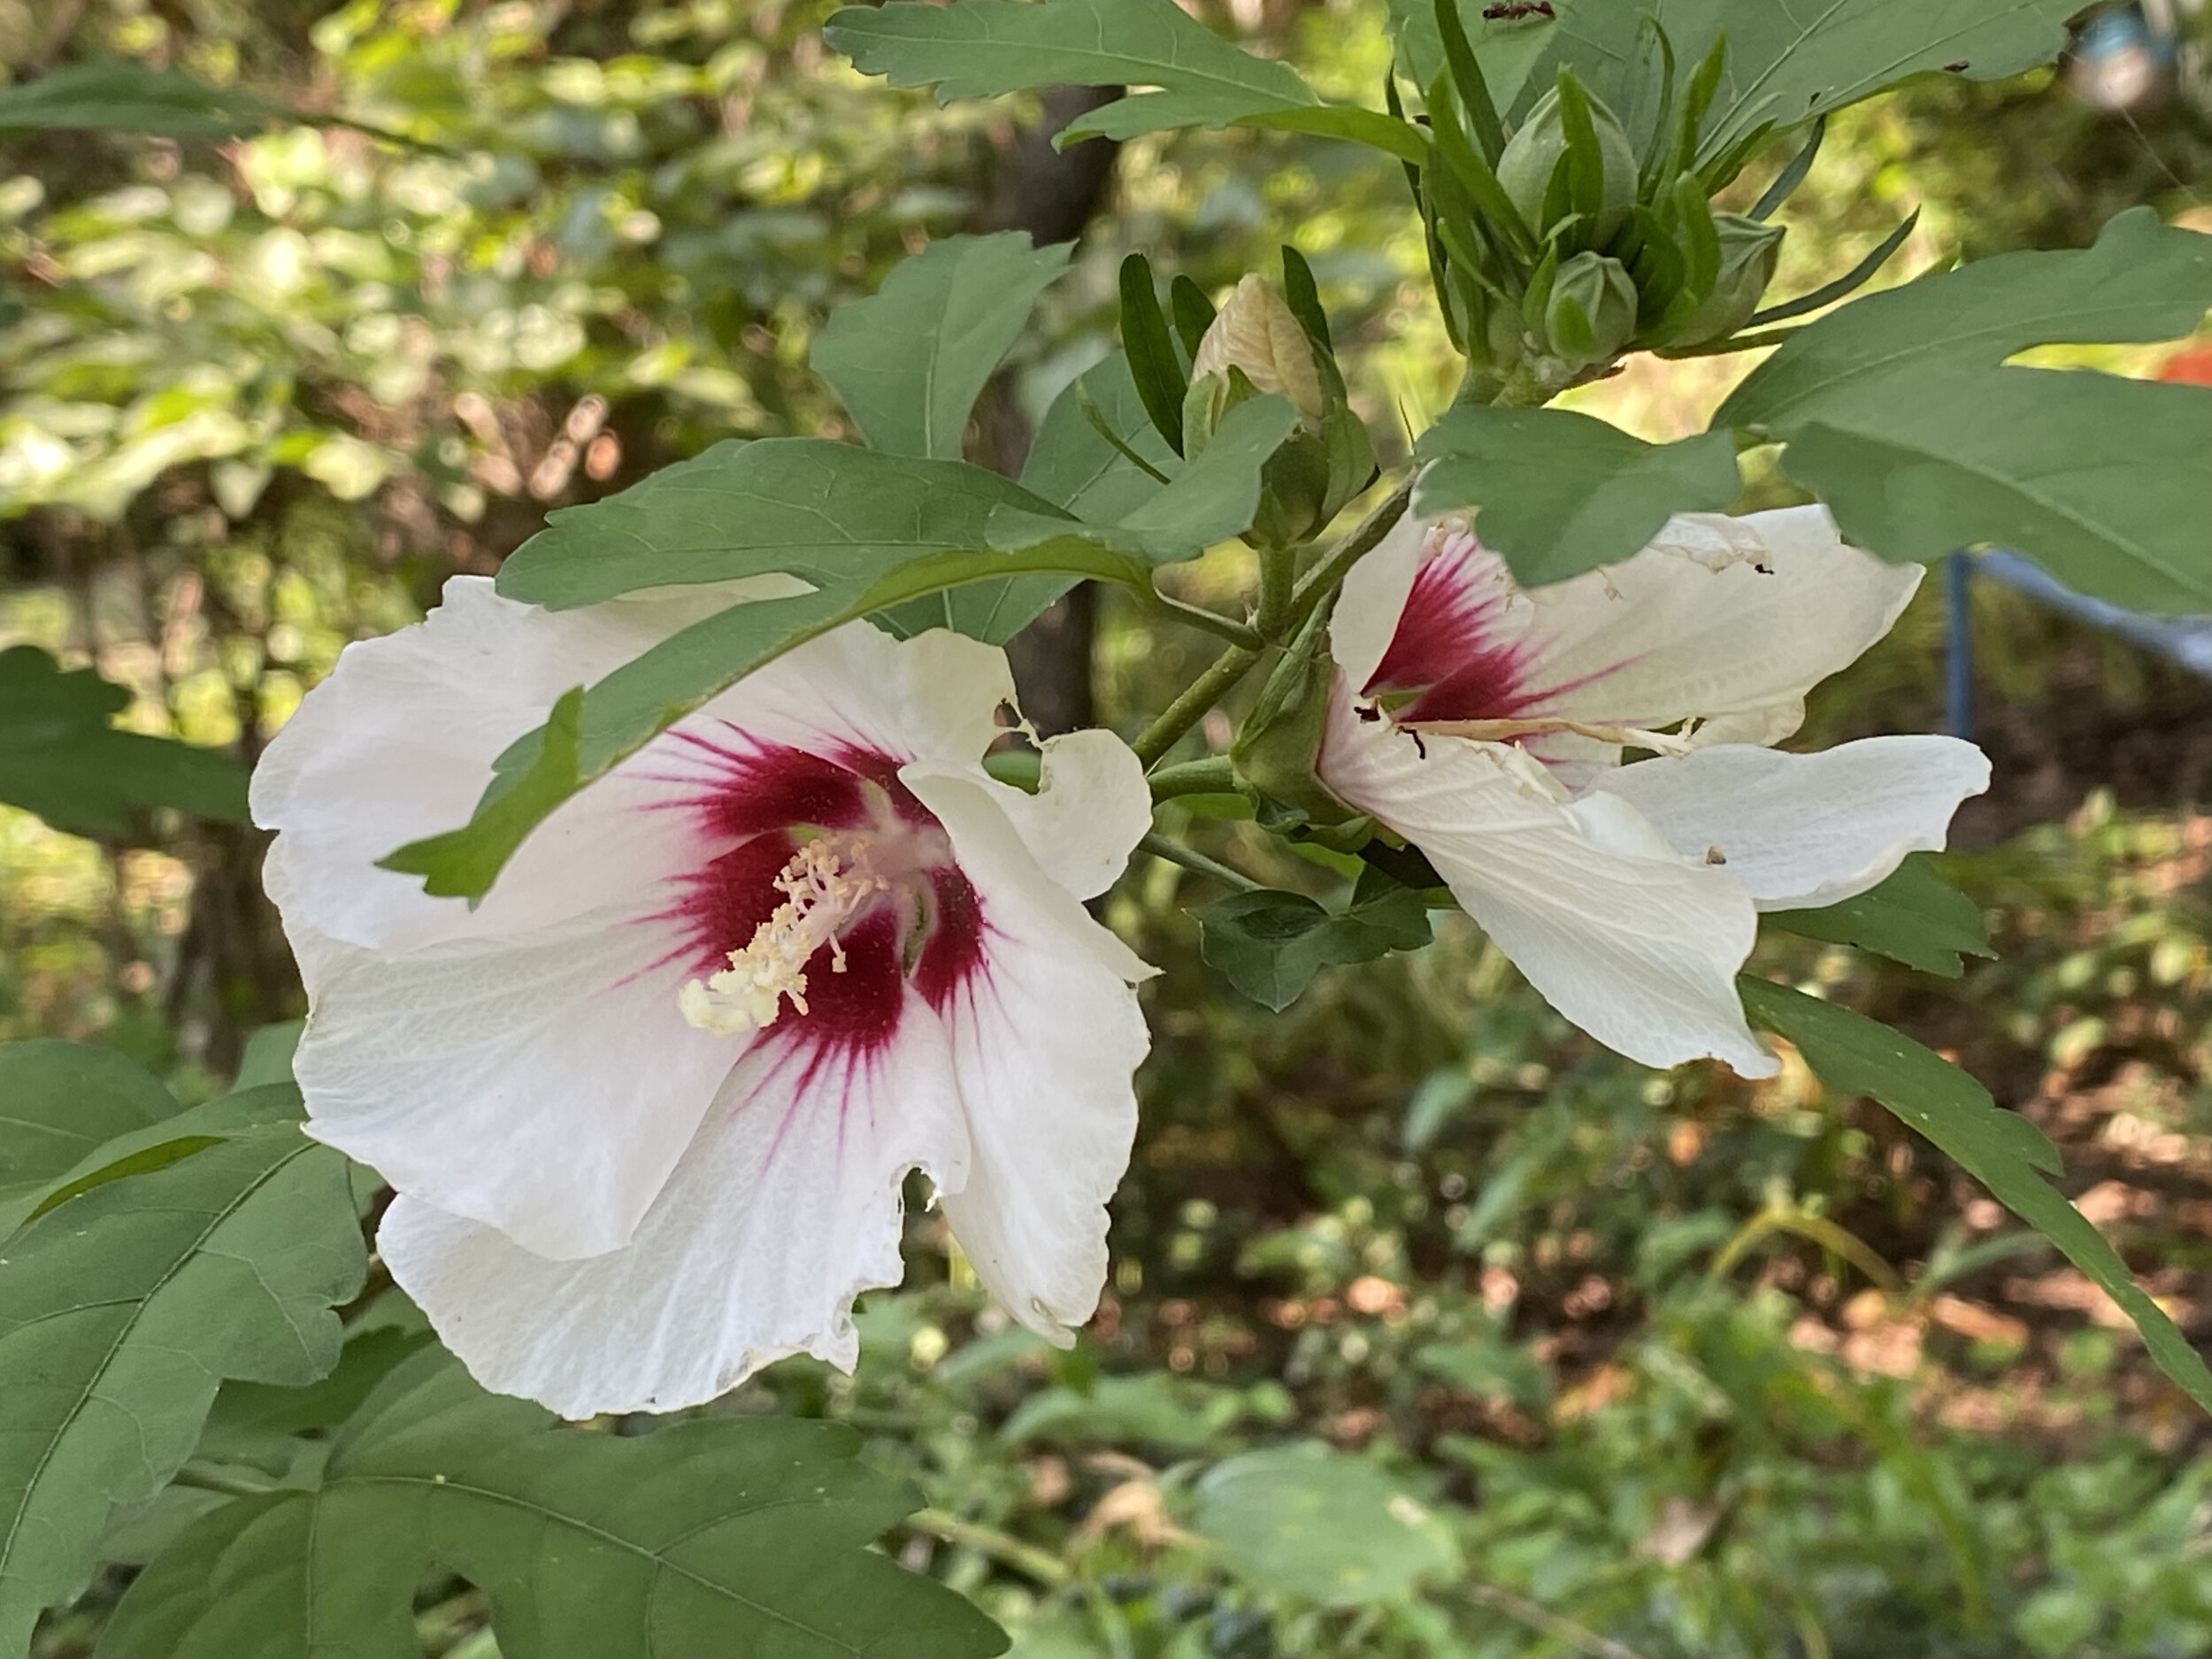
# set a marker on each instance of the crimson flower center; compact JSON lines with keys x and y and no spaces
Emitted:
{"x":824,"y":887}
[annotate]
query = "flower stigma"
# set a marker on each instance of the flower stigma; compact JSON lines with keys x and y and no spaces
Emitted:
{"x":826,"y":884}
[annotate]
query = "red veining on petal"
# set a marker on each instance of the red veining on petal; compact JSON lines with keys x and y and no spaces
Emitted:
{"x":1448,"y":645}
{"x":883,"y":771}
{"x":748,"y":787}
{"x":859,"y":1007}
{"x":953,"y":954}
{"x":755,"y":805}
{"x":725,"y":899}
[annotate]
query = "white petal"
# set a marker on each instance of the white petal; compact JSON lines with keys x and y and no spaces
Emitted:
{"x":1727,"y":620}
{"x":1091,"y":808}
{"x":1637,"y":947}
{"x":1802,"y":830}
{"x":785,"y":1207}
{"x":399,"y":743}
{"x":1044,"y":1042}
{"x":544,"y":1085}
{"x":1373,"y":598}
{"x":935,"y":696}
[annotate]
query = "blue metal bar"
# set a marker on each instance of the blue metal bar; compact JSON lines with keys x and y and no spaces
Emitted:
{"x":1958,"y":658}
{"x":2184,"y":640}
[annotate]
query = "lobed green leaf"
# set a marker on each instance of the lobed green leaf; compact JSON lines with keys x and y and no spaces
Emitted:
{"x":1558,"y":493}
{"x":1899,"y":412}
{"x":981,"y":48}
{"x":1270,"y":944}
{"x":1915,"y":917}
{"x":716,"y":1536}
{"x":2002,"y":1150}
{"x":121,"y":1310}
{"x":60,"y":758}
{"x":1785,"y":64}
{"x":60,"y":1104}
{"x":909,"y":361}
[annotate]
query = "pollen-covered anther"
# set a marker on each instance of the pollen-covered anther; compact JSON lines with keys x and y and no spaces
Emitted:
{"x":826,"y":884}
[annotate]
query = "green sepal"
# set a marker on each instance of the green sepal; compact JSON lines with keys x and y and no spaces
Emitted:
{"x":1159,"y":373}
{"x":1193,"y":311}
{"x":1750,"y":251}
{"x":1278,"y":749}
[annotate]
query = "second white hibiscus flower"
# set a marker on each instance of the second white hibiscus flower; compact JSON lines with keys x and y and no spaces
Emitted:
{"x":1486,"y":725}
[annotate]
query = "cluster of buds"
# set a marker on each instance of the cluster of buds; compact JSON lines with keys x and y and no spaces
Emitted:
{"x":1258,"y":342}
{"x":1564,"y":245}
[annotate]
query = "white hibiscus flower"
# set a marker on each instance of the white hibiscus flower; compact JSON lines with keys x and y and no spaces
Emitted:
{"x":1486,"y":725}
{"x":648,"y":1107}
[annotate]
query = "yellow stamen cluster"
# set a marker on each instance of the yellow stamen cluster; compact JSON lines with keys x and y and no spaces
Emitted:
{"x":823,"y":886}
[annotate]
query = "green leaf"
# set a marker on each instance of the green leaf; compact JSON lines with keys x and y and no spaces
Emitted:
{"x":2002,"y":1150}
{"x":61,"y":759}
{"x":979,"y":48}
{"x":464,"y":862}
{"x":60,"y":1103}
{"x":1271,"y":943}
{"x":830,"y":514}
{"x":716,"y":1536}
{"x":121,"y":1311}
{"x":868,"y":531}
{"x":1915,"y":918}
{"x":119,"y":96}
{"x":1899,"y":413}
{"x":1077,"y":467}
{"x":910,"y":362}
{"x":1515,"y":56}
{"x":1162,"y":377}
{"x":1559,"y":493}
{"x":257,"y":1424}
{"x":1074,"y":466}
{"x":1785,"y":64}
{"x":1308,"y":1523}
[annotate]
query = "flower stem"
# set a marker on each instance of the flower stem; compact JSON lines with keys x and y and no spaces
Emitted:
{"x":1040,"y":1564}
{"x":1197,"y":863}
{"x":1213,"y":776}
{"x":1523,"y":1612}
{"x":1188,"y":709}
{"x":1207,"y":621}
{"x":1323,"y":579}
{"x":1279,"y":566}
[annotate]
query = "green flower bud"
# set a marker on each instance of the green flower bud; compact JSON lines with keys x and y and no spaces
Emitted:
{"x":1592,"y":313}
{"x":1534,"y":153}
{"x":1748,"y":252}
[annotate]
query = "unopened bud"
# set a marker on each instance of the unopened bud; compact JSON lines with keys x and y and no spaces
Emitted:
{"x":1592,"y":313}
{"x":1748,"y":253}
{"x":1256,"y":332}
{"x":1532,"y":157}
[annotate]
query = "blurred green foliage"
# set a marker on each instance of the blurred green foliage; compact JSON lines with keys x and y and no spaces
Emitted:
{"x":1564,"y":1353}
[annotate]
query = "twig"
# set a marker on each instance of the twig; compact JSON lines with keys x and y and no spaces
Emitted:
{"x":1321,"y":580}
{"x":1215,"y":776}
{"x":1040,"y":1564}
{"x":1527,"y":1612}
{"x":1197,"y":863}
